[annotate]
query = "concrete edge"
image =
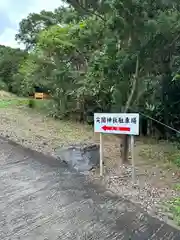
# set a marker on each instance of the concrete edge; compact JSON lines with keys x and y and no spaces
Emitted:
{"x":41,"y":157}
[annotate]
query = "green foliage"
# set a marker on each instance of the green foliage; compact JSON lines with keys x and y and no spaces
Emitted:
{"x":176,"y":161}
{"x":31,"y":26}
{"x":174,"y":208}
{"x":40,"y":105}
{"x":3,"y":85}
{"x":10,"y":59}
{"x":32,"y":103}
{"x":101,"y":56}
{"x":177,"y":187}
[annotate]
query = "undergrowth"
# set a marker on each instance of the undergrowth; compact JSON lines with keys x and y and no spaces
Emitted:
{"x":174,"y":209}
{"x":166,"y":153}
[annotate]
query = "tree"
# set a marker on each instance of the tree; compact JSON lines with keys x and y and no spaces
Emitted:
{"x":30,"y":27}
{"x":10,"y":59}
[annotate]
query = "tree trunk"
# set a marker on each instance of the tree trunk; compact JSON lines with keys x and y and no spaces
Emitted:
{"x":124,"y":143}
{"x":124,"y":149}
{"x":149,"y":128}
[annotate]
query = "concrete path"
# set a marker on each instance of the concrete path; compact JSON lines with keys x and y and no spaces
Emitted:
{"x":40,"y":199}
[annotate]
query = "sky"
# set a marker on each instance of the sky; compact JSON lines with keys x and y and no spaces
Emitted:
{"x":11,"y":13}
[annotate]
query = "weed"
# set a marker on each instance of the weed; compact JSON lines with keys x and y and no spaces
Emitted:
{"x":176,"y":160}
{"x":174,"y":208}
{"x":31,"y":103}
{"x":176,"y":187}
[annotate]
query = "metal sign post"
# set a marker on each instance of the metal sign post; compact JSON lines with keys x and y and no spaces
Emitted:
{"x":117,"y":123}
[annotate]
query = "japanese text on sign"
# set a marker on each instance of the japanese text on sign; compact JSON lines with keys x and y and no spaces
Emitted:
{"x":117,"y":123}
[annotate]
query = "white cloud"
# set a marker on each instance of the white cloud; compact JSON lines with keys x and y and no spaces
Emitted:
{"x":17,"y":10}
{"x":7,"y":38}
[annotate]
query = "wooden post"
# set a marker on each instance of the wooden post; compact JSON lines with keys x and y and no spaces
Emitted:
{"x":129,"y":147}
{"x":132,"y":160}
{"x":101,"y":154}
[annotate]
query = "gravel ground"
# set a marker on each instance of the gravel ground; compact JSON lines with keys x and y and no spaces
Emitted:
{"x":35,"y":131}
{"x":147,"y":194}
{"x":149,"y":191}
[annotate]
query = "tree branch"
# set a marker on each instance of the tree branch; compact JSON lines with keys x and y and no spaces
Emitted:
{"x":76,"y":3}
{"x":133,"y":86}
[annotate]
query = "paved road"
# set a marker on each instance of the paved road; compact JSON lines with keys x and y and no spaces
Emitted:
{"x":41,"y":200}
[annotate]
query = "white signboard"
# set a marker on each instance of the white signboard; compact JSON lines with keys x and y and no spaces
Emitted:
{"x":117,"y":123}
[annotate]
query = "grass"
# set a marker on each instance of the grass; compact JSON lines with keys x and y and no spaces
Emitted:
{"x":166,"y":156}
{"x":176,"y":187}
{"x":173,"y":207}
{"x":32,"y":127}
{"x":4,"y":103}
{"x":165,"y":153}
{"x":40,"y":104}
{"x":175,"y":158}
{"x":9,"y":100}
{"x":12,"y":102}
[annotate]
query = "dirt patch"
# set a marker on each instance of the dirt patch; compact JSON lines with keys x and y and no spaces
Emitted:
{"x":4,"y":94}
{"x":39,"y":132}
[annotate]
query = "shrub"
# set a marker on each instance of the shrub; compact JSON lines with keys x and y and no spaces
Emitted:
{"x":31,"y":103}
